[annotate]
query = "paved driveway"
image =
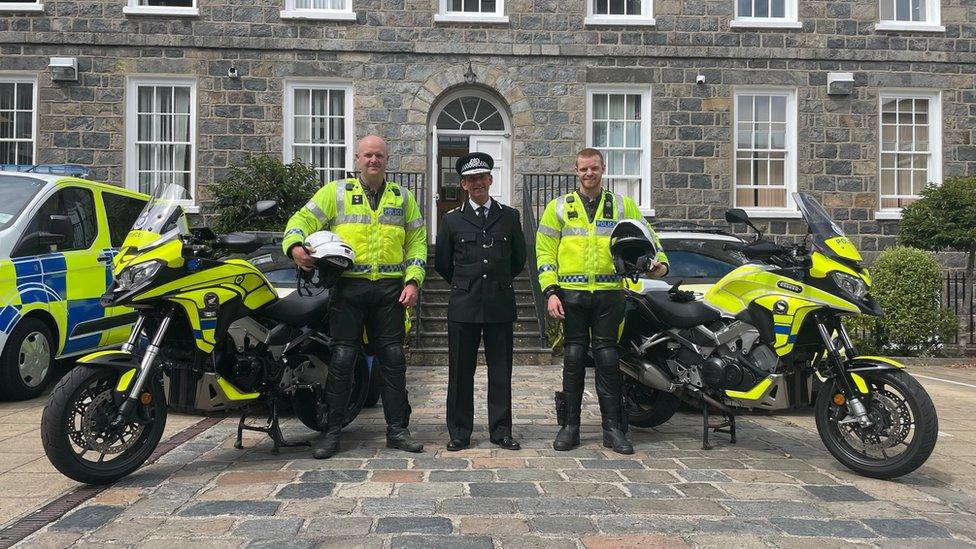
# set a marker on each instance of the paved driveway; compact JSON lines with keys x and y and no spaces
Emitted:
{"x":777,"y":487}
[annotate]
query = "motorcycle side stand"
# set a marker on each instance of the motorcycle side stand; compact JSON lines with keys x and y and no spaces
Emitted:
{"x":273,"y":429}
{"x":727,"y":426}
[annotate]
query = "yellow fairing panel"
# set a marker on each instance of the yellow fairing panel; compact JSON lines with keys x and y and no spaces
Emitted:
{"x":844,"y":248}
{"x":233,"y":393}
{"x":821,"y":266}
{"x":752,"y":394}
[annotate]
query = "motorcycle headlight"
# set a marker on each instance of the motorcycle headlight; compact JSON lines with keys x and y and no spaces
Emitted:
{"x":850,"y":284}
{"x":137,"y":275}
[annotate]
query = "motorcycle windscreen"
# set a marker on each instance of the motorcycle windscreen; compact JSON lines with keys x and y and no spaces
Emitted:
{"x":828,"y":238}
{"x":161,"y":220}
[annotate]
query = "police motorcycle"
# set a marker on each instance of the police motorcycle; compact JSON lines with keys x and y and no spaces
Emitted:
{"x":759,"y":338}
{"x":211,"y":335}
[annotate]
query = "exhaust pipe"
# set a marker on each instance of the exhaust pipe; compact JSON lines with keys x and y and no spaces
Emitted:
{"x":647,"y":373}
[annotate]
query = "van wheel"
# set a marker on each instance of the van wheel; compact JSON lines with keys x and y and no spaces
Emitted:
{"x":27,"y":362}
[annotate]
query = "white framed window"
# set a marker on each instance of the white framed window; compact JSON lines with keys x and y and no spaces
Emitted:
{"x":774,"y":14}
{"x":161,"y":133}
{"x":334,"y":10}
{"x":765,"y":163}
{"x":161,"y":7}
{"x":471,"y":11}
{"x":910,"y":15}
{"x":910,"y":147}
{"x":18,"y":119}
{"x":618,"y":124}
{"x":21,"y":6}
{"x":319,"y":127}
{"x":619,"y":12}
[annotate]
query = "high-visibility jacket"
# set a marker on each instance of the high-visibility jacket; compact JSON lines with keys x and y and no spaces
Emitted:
{"x":573,"y":252}
{"x":390,"y":242}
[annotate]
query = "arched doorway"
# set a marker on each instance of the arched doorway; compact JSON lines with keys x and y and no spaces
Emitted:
{"x":463,"y":121}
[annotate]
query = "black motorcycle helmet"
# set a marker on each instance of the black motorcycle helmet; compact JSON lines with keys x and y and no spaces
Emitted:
{"x":632,"y":248}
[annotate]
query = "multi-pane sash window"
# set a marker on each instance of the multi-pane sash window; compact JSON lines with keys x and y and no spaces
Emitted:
{"x":923,"y":15}
{"x":17,"y":115}
{"x":765,"y":149}
{"x":910,"y":152}
{"x":162,"y":7}
{"x":635,"y":12}
{"x":476,"y":10}
{"x":319,"y":128}
{"x":161,"y":117}
{"x":766,"y":13}
{"x":619,"y":126}
{"x":318,"y":9}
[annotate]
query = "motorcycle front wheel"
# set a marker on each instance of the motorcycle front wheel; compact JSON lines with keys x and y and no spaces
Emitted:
{"x":76,"y":432}
{"x":903,"y":431}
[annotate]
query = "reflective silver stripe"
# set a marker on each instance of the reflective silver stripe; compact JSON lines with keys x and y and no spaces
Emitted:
{"x":395,"y":220}
{"x":313,"y":208}
{"x":574,"y":231}
{"x":344,"y":219}
{"x":417,"y":263}
{"x":544,"y":268}
{"x":603,"y":231}
{"x":415,"y":224}
{"x":296,"y":231}
{"x":561,"y":209}
{"x":548,"y":231}
{"x":618,"y":204}
{"x":340,"y":198}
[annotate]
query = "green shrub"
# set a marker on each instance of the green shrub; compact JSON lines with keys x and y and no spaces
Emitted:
{"x":261,"y":178}
{"x":907,"y":283}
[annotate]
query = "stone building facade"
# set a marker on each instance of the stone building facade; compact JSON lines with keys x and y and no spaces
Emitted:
{"x":702,"y":104}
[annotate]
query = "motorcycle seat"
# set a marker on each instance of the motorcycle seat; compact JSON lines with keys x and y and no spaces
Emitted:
{"x":298,"y":310}
{"x":680,"y":315}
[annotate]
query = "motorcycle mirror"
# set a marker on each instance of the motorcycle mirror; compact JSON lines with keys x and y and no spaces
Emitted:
{"x":265,"y":208}
{"x":738,"y":215}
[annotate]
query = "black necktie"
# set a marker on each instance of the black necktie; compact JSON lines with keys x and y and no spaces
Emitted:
{"x":482,"y":214}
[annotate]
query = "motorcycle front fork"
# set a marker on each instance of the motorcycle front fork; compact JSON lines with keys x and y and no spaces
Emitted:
{"x":145,"y":365}
{"x":857,"y":412}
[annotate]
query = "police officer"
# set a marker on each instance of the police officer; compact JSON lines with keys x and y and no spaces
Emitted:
{"x":381,"y":222}
{"x":583,"y":290}
{"x":480,"y":249}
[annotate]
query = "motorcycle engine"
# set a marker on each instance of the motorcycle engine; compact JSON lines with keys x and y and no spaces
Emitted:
{"x":739,"y":364}
{"x":245,"y":368}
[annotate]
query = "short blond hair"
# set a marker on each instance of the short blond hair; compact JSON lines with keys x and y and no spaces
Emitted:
{"x":590,"y":152}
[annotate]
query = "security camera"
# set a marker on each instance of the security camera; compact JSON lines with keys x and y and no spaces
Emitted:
{"x":700,"y":79}
{"x":232,"y":73}
{"x":64,"y":69}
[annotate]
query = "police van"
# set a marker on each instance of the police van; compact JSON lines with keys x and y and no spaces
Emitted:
{"x":58,"y":237}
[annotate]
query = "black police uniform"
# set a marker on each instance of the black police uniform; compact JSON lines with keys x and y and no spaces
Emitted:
{"x":480,"y":256}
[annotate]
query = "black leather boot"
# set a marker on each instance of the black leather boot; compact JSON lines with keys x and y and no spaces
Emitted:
{"x":399,"y":439}
{"x":614,"y":434}
{"x":568,"y":436}
{"x":327,"y":445}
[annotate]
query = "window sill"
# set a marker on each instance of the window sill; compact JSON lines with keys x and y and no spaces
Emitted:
{"x":764,"y":24}
{"x":604,"y":20}
{"x":156,"y":10}
{"x":887,"y":215}
{"x":477,"y":18}
{"x":908,"y":27}
{"x":318,"y":15}
{"x":21,"y":7}
{"x":648,"y":212}
{"x":773,"y":214}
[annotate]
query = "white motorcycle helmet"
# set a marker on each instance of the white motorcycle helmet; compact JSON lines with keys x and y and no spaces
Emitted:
{"x":632,"y":248}
{"x":332,"y":257}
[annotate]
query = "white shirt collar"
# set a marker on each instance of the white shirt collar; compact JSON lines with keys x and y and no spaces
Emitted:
{"x":475,"y":206}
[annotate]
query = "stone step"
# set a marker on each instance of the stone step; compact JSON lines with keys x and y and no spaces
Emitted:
{"x":439,"y":309}
{"x":439,"y":324}
{"x":437,"y":356}
{"x":523,"y":340}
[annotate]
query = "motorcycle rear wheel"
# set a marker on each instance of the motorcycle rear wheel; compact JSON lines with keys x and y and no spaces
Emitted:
{"x":305,"y":404}
{"x":647,"y":407}
{"x":904,"y":419}
{"x":75,"y":432}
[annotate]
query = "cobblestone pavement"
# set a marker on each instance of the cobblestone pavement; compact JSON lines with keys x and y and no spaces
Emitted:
{"x":776,"y":488}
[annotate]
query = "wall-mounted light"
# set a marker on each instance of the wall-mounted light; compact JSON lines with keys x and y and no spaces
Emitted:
{"x":840,"y":83}
{"x":233,"y":74}
{"x":64,"y":69}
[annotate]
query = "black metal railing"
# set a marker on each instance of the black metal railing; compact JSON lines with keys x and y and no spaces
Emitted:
{"x":416,"y":182}
{"x":537,"y":191}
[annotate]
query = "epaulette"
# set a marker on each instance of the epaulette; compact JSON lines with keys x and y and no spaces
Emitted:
{"x":350,"y":186}
{"x":454,"y":210}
